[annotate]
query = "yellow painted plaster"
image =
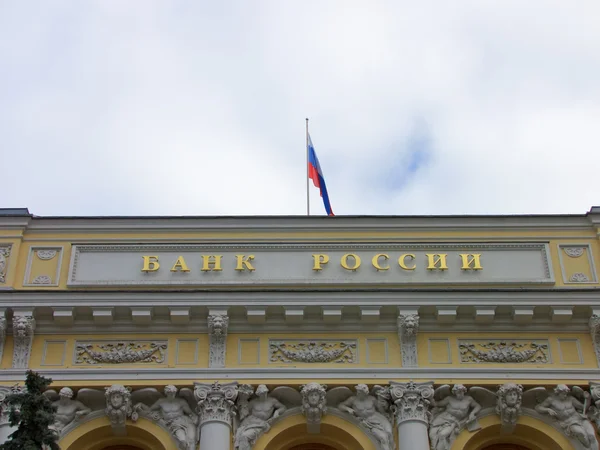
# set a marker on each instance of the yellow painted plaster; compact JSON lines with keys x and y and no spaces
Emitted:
{"x":375,"y":353}
{"x":40,"y":347}
{"x":558,"y":360}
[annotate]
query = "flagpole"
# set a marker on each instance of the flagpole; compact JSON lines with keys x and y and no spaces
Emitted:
{"x":307,"y":174}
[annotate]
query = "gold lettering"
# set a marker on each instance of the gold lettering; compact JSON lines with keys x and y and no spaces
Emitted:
{"x":402,"y":261}
{"x":471,"y":259}
{"x":319,"y":260}
{"x":215,"y":260}
{"x":180,"y":265}
{"x":433,"y":262}
{"x":344,"y":261}
{"x":150,"y":264}
{"x":243,"y":262}
{"x":375,"y":261}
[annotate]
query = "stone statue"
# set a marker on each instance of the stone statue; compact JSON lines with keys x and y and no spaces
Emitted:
{"x":67,"y":409}
{"x":372,"y":411}
{"x":313,"y":405}
{"x":450,"y":414}
{"x":594,"y":411}
{"x":508,"y":406}
{"x":118,"y":406}
{"x":171,"y":411}
{"x":570,"y":414}
{"x":256,"y":415}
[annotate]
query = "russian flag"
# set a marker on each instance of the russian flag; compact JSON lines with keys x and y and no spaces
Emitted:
{"x":316,"y":174}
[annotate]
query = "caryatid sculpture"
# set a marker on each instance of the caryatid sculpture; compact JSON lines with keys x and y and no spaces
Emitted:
{"x":172,"y":411}
{"x":255,"y":415}
{"x":570,"y":414}
{"x":450,"y":414}
{"x":370,"y":410}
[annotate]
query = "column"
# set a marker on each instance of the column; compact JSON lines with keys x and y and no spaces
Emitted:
{"x":412,"y":403}
{"x":216,"y":407}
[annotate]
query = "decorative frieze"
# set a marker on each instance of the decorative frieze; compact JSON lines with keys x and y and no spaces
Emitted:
{"x":23,"y":328}
{"x":216,"y":402}
{"x":121,"y":352}
{"x":313,"y":351}
{"x":504,"y":352}
{"x":217,"y":332}
{"x":408,"y":326}
{"x":4,"y":255}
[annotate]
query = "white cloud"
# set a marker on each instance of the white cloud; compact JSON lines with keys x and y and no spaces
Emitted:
{"x":198,"y":108}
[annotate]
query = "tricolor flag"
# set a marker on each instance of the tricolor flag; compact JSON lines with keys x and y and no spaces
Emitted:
{"x":316,"y":174}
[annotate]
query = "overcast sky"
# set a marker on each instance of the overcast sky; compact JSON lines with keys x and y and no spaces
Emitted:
{"x":198,"y":107}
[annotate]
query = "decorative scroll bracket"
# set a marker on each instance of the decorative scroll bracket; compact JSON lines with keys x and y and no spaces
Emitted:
{"x":23,"y":328}
{"x":408,"y":327}
{"x":217,"y":331}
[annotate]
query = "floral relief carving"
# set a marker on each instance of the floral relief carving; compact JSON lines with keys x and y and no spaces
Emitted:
{"x":23,"y":328}
{"x":120,"y":352}
{"x":42,"y":279}
{"x":217,"y":331}
{"x":4,"y":254}
{"x":573,"y":252}
{"x":308,"y":351}
{"x":579,"y":277}
{"x":46,"y":255}
{"x":504,"y":352}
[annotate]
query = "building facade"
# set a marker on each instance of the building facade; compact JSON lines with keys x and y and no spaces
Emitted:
{"x":306,"y":333}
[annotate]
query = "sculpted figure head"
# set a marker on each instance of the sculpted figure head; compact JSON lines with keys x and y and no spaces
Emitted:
{"x":217,"y":324}
{"x":117,"y":396}
{"x":22,"y":326}
{"x":408,"y":324}
{"x":511,"y":394}
{"x":65,"y":393}
{"x":170,"y":391}
{"x":562,"y":391}
{"x":313,"y":395}
{"x":362,"y":390}
{"x":459,"y":391}
{"x":262,"y":390}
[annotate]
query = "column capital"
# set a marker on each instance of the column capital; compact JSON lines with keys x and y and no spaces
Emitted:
{"x":216,"y":401}
{"x":411,"y":401}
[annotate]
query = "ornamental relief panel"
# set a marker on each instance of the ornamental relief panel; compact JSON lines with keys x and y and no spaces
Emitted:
{"x":43,"y":266}
{"x":504,"y":351}
{"x":577,"y":263}
{"x":313,"y":351}
{"x":4,"y":256}
{"x":120,"y":352}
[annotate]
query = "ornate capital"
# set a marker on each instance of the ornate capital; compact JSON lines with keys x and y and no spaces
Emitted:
{"x":216,"y":402}
{"x":217,"y":331}
{"x":313,"y":405}
{"x":408,"y":326}
{"x":23,"y":327}
{"x":411,"y":401}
